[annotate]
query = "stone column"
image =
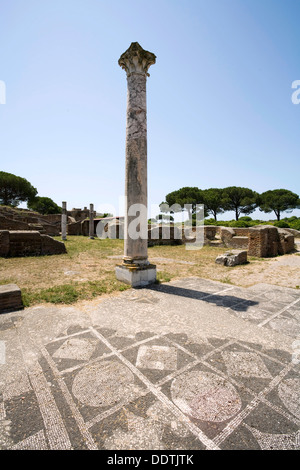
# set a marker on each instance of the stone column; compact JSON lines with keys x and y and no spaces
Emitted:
{"x":136,"y":269}
{"x":64,"y":221}
{"x":91,"y":223}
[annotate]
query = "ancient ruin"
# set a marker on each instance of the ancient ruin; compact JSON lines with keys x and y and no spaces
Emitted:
{"x":91,"y":222}
{"x":24,"y":219}
{"x":16,"y":243}
{"x":232,"y":258}
{"x":261,"y":241}
{"x":10,"y":298}
{"x":64,"y":221}
{"x":136,"y":269}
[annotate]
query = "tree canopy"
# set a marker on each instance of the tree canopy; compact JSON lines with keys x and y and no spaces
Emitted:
{"x":278,"y":200}
{"x":213,"y":201}
{"x":184,"y":196}
{"x":240,"y":200}
{"x":14,"y":189}
{"x":44,"y":205}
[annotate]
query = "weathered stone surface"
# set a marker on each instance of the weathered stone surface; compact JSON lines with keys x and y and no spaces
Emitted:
{"x":4,"y":243}
{"x":260,"y":241}
{"x":136,"y":277}
{"x":136,"y":62}
{"x":232,"y":258}
{"x":24,"y":243}
{"x":240,"y":242}
{"x":75,"y":228}
{"x":18,"y":243}
{"x":287,"y":241}
{"x":49,"y":246}
{"x":226,"y":234}
{"x":64,"y":221}
{"x":294,"y":232}
{"x":91,"y":222}
{"x":24,"y":219}
{"x":10,"y":298}
{"x":7,"y":223}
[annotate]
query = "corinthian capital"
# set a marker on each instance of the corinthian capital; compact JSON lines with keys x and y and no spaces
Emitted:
{"x":136,"y":60}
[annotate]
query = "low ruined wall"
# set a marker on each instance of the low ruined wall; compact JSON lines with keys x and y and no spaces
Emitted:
{"x":164,"y":235}
{"x":10,"y":220}
{"x":7,"y":223}
{"x":261,"y":241}
{"x":226,"y":235}
{"x":28,"y":243}
{"x":52,"y":218}
{"x":287,"y":241}
{"x":4,"y":243}
{"x":241,"y":231}
{"x":10,"y":298}
{"x":23,"y":243}
{"x":74,"y":228}
{"x":266,"y":241}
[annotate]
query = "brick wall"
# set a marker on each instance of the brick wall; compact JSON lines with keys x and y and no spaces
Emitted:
{"x":266,"y":241}
{"x":18,"y":243}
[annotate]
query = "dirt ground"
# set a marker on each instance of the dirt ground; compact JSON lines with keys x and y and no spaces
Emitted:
{"x":90,"y":265}
{"x":282,"y":271}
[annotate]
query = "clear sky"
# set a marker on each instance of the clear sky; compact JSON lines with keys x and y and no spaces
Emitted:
{"x":219,"y":96}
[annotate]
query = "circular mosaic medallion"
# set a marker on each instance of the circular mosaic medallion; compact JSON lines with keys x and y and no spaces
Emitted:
{"x":103,"y":384}
{"x":205,"y":396}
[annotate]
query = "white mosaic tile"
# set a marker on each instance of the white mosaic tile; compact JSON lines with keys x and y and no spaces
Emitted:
{"x":157,"y":357}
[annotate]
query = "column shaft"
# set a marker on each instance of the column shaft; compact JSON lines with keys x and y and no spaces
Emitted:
{"x":91,"y":222}
{"x":64,"y":221}
{"x":136,"y":249}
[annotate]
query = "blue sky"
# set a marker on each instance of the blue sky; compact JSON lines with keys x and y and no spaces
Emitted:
{"x":219,"y":96}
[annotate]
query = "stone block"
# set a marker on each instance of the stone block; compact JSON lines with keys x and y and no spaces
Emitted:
{"x":10,"y":298}
{"x":239,"y":241}
{"x":232,"y":258}
{"x":226,"y":235}
{"x":49,"y":246}
{"x":24,"y":243}
{"x":136,"y":277}
{"x":17,"y":243}
{"x":4,"y":243}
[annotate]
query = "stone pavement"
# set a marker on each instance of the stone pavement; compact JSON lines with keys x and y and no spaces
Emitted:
{"x":190,"y":364}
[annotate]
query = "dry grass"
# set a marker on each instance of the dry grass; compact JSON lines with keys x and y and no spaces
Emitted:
{"x":87,"y":270}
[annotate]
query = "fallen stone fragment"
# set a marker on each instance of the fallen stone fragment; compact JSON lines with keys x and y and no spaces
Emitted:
{"x":232,"y":258}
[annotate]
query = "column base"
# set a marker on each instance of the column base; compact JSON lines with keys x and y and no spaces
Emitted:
{"x":136,"y":276}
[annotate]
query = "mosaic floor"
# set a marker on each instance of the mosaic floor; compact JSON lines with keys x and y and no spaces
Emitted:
{"x":81,"y":383}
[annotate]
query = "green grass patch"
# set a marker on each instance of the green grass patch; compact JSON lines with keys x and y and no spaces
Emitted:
{"x":6,"y":281}
{"x":72,"y":292}
{"x":163,"y":276}
{"x":226,"y":280}
{"x":103,"y":247}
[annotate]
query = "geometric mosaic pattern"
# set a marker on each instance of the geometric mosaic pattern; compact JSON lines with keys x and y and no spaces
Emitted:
{"x":94,"y":388}
{"x":119,"y":400}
